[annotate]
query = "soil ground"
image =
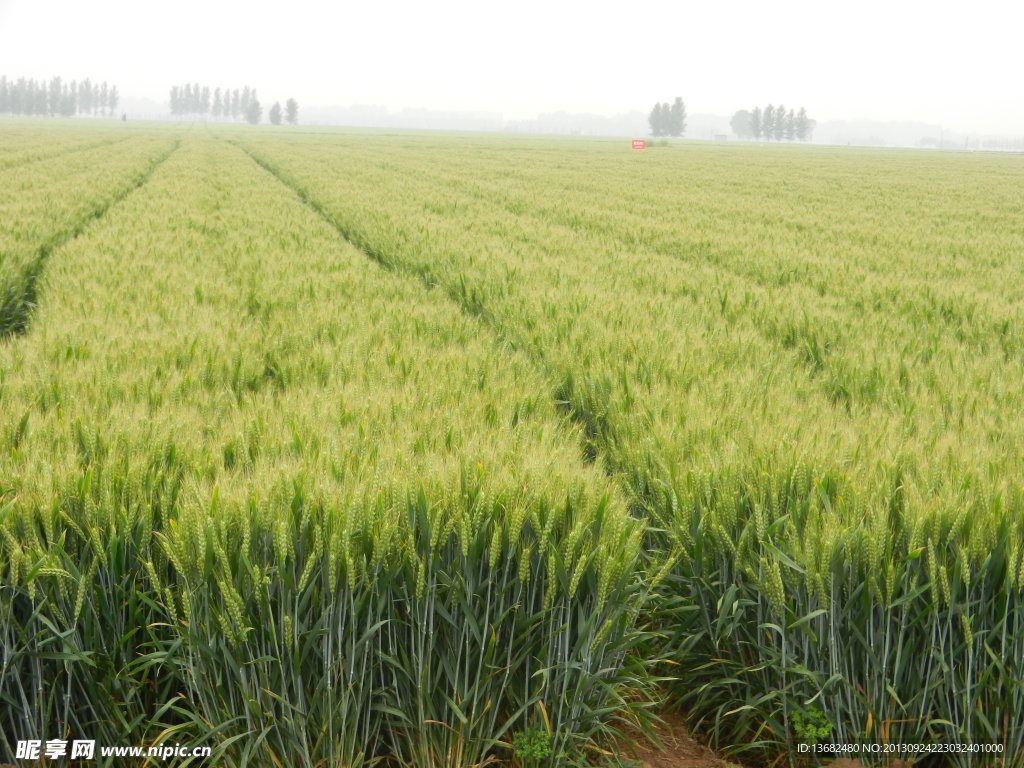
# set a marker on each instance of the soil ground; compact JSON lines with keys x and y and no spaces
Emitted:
{"x":680,"y":749}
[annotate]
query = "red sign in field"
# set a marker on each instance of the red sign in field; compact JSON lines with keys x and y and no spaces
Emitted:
{"x":639,"y":144}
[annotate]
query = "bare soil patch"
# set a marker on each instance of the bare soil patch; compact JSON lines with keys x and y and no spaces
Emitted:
{"x":680,"y":749}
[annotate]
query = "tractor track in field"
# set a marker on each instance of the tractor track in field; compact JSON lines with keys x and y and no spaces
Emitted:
{"x":15,"y":320}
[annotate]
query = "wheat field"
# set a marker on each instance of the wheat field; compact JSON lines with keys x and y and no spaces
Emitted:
{"x":342,"y":448}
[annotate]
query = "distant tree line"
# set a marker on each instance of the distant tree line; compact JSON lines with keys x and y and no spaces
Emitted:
{"x":193,"y":100}
{"x":668,"y":120}
{"x":773,"y":123}
{"x":31,"y":97}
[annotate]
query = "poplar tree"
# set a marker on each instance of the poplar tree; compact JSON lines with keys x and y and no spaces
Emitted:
{"x":657,"y":120}
{"x":17,"y":97}
{"x":85,"y":96}
{"x":253,"y":112}
{"x":291,"y":111}
{"x":779,"y":125}
{"x":768,"y":122}
{"x":801,"y":125}
{"x":677,"y":118}
{"x":67,"y":100}
{"x":756,"y":124}
{"x":36,"y":99}
{"x":54,"y":97}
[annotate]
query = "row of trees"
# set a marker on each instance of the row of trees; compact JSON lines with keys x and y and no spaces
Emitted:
{"x":31,"y":97}
{"x":773,"y":123}
{"x":668,"y":120}
{"x":194,"y":100}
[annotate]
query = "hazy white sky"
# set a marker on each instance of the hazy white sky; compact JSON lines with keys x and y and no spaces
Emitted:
{"x":959,"y":65}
